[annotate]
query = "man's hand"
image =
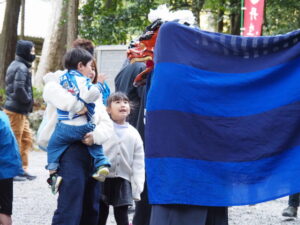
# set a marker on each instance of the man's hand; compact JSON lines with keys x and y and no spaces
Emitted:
{"x":88,"y":139}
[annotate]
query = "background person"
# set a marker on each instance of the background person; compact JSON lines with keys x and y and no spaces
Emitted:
{"x":125,"y":150}
{"x":10,"y":166}
{"x":72,"y":127}
{"x":79,"y":193}
{"x":19,"y":101}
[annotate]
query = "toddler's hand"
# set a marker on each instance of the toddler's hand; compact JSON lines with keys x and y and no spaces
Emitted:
{"x":136,"y":199}
{"x":88,"y":139}
{"x":82,"y":111}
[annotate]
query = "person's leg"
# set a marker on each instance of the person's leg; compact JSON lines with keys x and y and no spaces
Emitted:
{"x":217,"y":216}
{"x":62,"y":137}
{"x":178,"y":215}
{"x":17,"y":123}
{"x":20,"y":126}
{"x":103,"y":213}
{"x":97,"y":153}
{"x":75,"y":166}
{"x":121,"y":215}
{"x":5,"y":219}
{"x":101,"y":162}
{"x":6,"y":199}
{"x":91,"y":201}
{"x":142,"y":209}
{"x":291,"y":210}
{"x":26,"y":143}
{"x":294,"y":200}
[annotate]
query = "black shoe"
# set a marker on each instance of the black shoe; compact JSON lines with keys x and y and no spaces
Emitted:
{"x":290,"y":211}
{"x":131,"y":209}
{"x":28,"y":176}
{"x":19,"y":178}
{"x":54,"y":182}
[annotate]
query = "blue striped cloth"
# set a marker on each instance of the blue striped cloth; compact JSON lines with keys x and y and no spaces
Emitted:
{"x":223,"y":118}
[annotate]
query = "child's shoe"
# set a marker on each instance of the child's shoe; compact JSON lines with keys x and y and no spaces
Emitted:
{"x":54,"y":181}
{"x":101,"y":173}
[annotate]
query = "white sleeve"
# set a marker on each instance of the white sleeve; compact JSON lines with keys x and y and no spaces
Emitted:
{"x":60,"y":98}
{"x":104,"y":126}
{"x":138,"y":169}
{"x":89,"y":95}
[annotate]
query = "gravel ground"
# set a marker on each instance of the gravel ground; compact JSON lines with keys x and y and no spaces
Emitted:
{"x":34,"y":204}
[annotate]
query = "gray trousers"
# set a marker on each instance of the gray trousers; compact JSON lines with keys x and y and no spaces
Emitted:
{"x":188,"y":215}
{"x":294,"y":200}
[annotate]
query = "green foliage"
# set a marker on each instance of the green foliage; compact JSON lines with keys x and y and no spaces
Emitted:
{"x":2,"y":96}
{"x":114,"y":23}
{"x":38,"y":99}
{"x":37,"y":94}
{"x":281,"y":16}
{"x":119,"y":21}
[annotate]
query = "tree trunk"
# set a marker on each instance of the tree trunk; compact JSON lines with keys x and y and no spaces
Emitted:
{"x":8,"y":37}
{"x":22,"y":19}
{"x":235,"y":21}
{"x":235,"y":17}
{"x":54,"y":46}
{"x":197,"y":6}
{"x":220,"y":24}
{"x":72,"y":22}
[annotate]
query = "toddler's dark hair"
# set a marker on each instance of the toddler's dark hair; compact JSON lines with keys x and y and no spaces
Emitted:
{"x":75,"y":56}
{"x":117,"y":96}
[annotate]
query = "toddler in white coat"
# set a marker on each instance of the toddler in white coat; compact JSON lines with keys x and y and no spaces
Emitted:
{"x":72,"y":127}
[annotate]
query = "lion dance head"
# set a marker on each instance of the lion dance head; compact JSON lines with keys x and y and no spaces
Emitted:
{"x":142,"y":49}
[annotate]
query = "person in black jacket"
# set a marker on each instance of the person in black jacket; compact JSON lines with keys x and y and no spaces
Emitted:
{"x":19,"y":100}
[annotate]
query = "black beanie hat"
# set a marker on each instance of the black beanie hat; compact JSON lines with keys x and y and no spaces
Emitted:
{"x":23,"y":50}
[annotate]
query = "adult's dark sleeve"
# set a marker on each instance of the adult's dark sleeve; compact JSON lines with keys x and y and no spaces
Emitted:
{"x":124,"y":79}
{"x":20,"y":93}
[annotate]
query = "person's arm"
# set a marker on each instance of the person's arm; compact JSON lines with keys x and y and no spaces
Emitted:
{"x":10,"y":160}
{"x":89,"y":92}
{"x":104,"y":127}
{"x":19,"y":85}
{"x":60,"y":98}
{"x":105,"y":92}
{"x":138,"y":169}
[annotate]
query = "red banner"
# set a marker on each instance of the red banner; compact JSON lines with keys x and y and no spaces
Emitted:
{"x":253,"y":17}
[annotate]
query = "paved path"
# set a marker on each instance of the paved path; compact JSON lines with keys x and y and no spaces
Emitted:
{"x":34,"y":204}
